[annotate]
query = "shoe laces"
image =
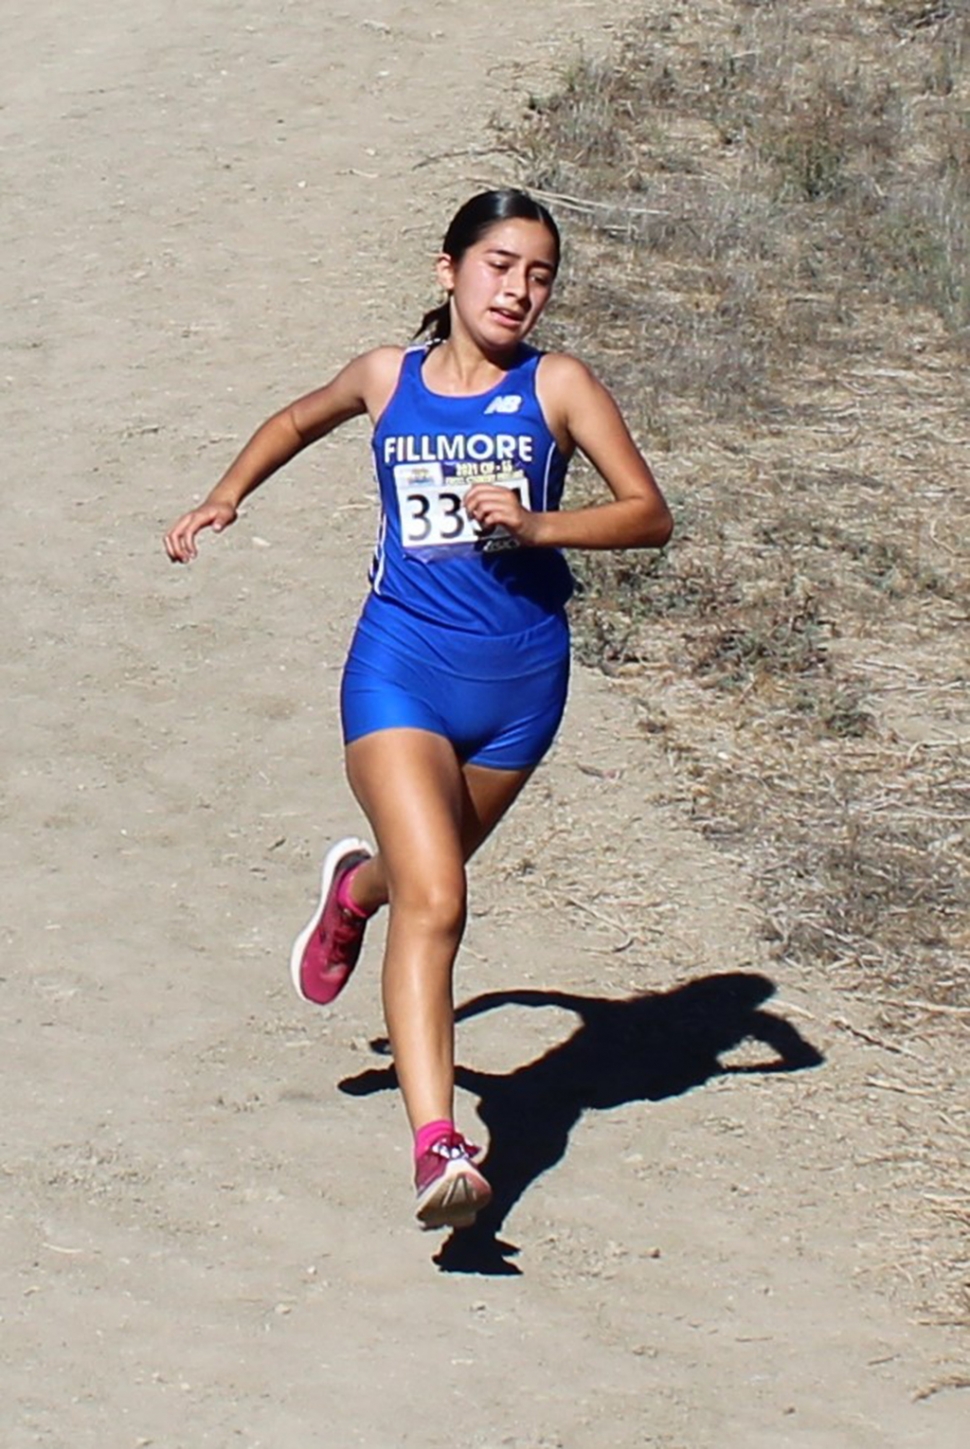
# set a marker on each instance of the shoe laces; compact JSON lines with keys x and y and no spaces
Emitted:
{"x":347,"y":928}
{"x":454,"y":1147}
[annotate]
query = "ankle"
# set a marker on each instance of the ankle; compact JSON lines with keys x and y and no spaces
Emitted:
{"x":345,"y":898}
{"x":431,"y":1133}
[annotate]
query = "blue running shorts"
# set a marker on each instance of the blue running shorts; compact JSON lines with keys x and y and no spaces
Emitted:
{"x":498,"y":699}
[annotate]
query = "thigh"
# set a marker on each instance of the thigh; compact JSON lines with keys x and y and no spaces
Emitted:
{"x":487,"y":796}
{"x":429,"y":812}
{"x":410,"y":786}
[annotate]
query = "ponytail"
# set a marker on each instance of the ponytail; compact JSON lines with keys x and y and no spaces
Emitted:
{"x":437,"y":321}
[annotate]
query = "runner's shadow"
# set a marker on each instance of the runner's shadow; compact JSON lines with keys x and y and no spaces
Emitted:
{"x":639,"y":1048}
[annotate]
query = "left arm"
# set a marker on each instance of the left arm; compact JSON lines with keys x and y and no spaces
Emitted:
{"x":583,"y":414}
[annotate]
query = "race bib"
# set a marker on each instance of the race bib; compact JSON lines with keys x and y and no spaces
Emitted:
{"x":431,"y":503}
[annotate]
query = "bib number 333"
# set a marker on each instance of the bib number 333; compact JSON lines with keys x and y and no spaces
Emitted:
{"x":432,"y":509}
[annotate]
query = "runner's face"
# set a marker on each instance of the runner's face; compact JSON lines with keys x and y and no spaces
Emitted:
{"x":502,"y":283}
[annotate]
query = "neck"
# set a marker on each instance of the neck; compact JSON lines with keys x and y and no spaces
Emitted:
{"x":459,"y":365}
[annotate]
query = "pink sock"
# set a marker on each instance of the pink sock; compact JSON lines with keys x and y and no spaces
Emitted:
{"x":344,"y":900}
{"x":430,"y":1133}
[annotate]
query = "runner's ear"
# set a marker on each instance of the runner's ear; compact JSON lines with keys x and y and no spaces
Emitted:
{"x":444,"y":269}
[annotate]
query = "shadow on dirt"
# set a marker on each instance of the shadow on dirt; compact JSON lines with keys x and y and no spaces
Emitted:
{"x":639,"y":1048}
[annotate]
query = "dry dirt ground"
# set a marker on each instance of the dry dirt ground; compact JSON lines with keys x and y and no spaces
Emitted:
{"x":699,"y":1238}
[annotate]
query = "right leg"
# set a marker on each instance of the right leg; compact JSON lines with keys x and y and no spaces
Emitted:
{"x":410,"y":785}
{"x":427,"y":813}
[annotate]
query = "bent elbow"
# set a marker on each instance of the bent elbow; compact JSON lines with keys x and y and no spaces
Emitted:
{"x":658,"y":528}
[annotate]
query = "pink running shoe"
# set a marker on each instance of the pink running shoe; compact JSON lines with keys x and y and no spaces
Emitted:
{"x":326,"y":951}
{"x":451,"y":1190}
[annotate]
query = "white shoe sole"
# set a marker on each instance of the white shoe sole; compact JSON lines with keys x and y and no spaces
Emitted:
{"x":455,"y":1200}
{"x":333,"y":858}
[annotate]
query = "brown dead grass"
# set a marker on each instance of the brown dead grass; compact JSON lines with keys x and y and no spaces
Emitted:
{"x":768,"y":213}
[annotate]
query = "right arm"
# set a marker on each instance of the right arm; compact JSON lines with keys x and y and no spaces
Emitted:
{"x":363,"y":386}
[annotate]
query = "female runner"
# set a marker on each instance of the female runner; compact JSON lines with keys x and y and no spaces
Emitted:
{"x":457,"y":674}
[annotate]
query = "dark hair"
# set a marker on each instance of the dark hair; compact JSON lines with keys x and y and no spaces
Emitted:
{"x":469,"y":224}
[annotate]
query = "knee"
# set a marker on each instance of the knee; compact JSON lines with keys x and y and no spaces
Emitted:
{"x":435,"y":904}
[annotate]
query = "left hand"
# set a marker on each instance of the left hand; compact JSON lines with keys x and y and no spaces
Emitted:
{"x":492,"y":506}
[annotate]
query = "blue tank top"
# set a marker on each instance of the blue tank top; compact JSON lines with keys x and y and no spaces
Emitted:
{"x":428,"y":450}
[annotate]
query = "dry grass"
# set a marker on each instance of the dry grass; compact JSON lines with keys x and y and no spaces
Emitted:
{"x":768,"y":211}
{"x":713,"y":175}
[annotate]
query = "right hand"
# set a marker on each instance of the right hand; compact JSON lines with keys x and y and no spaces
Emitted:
{"x":180,"y":539}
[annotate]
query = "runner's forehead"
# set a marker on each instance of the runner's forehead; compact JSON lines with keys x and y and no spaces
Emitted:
{"x":521,"y":239}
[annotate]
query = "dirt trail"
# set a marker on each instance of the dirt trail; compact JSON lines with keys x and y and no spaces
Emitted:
{"x":205,"y":1242}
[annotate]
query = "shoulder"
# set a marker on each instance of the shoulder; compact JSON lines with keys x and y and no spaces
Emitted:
{"x":561,"y":374}
{"x":375,"y":375}
{"x":379,"y":365}
{"x":562,"y":364}
{"x":563,"y":384}
{"x":384,"y":357}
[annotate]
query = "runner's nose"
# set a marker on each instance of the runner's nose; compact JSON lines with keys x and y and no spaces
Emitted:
{"x":517,"y":284}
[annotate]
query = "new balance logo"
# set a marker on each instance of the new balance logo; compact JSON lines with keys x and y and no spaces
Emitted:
{"x":508,"y":403}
